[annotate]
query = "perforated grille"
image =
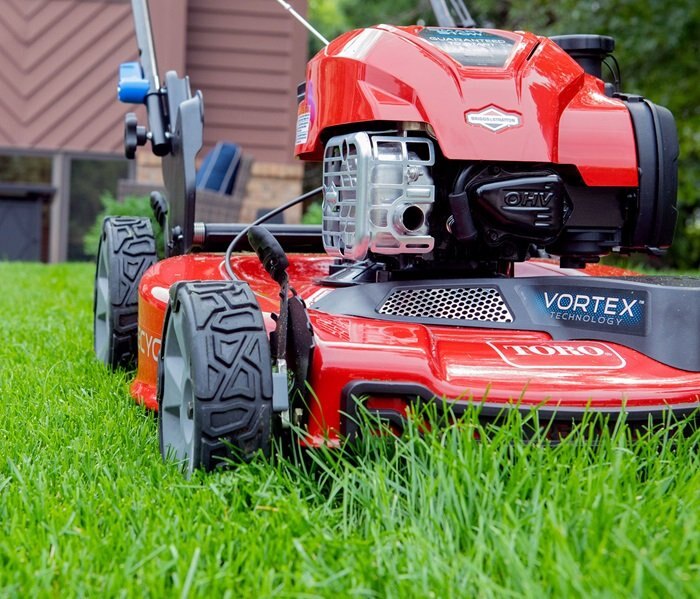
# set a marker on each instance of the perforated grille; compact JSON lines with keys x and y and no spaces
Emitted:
{"x":377,"y":195}
{"x":454,"y":303}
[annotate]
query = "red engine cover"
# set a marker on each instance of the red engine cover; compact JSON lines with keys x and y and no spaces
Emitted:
{"x":486,"y":94}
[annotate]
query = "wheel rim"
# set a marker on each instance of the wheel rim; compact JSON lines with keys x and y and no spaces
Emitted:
{"x":103,"y":307}
{"x":178,"y":403}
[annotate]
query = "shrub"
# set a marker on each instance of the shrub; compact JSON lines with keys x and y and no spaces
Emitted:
{"x":313,"y":214}
{"x":130,"y":206}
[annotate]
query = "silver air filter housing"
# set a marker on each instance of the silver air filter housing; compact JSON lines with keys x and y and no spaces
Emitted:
{"x":377,"y":195}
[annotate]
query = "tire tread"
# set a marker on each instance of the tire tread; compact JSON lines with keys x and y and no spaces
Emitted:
{"x":131,"y":244}
{"x":231,"y":369}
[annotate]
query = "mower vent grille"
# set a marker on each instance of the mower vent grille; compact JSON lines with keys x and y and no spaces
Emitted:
{"x":453,"y":303}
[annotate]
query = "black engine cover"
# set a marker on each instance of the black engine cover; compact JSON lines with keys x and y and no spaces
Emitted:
{"x":654,"y":220}
{"x":529,"y":208}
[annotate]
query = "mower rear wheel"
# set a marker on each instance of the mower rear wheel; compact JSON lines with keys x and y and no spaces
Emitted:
{"x":214,"y":376}
{"x":127,"y":248}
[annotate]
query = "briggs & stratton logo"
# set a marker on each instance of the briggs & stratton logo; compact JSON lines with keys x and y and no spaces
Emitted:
{"x":594,"y":308}
{"x":493,"y":119}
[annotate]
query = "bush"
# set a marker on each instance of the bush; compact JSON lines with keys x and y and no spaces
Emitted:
{"x":130,"y":206}
{"x":313,"y":214}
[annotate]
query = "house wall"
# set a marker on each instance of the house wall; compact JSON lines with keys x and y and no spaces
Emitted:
{"x":59,"y":61}
{"x":248,"y":57}
{"x":58,"y":65}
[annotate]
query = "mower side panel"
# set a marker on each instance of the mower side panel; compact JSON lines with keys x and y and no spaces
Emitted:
{"x":501,"y":368}
{"x":154,"y":294}
{"x":392,"y":74}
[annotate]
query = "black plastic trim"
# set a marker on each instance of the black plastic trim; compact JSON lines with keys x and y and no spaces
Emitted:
{"x":587,"y":50}
{"x":419,"y":395}
{"x":657,"y":157}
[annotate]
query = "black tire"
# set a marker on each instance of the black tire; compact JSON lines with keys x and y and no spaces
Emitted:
{"x":214,"y":376}
{"x":127,"y":249}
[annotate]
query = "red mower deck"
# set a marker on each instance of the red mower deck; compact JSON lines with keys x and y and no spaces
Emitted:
{"x":394,"y":365}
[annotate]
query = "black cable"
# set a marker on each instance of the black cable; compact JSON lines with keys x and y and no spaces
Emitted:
{"x":619,"y":72}
{"x":461,"y":181}
{"x":259,"y":221}
{"x":615,"y":72}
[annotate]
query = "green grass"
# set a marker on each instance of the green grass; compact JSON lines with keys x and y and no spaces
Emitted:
{"x":87,"y":507}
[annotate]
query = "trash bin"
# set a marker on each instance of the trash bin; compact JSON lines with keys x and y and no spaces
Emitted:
{"x":23,"y":221}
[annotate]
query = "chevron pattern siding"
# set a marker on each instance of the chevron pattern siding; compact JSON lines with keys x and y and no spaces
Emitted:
{"x":58,"y":71}
{"x":59,"y":61}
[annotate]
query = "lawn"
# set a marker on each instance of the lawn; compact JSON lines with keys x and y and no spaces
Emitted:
{"x":87,"y":507}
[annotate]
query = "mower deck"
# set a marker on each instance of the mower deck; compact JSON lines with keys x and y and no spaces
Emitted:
{"x":394,"y":364}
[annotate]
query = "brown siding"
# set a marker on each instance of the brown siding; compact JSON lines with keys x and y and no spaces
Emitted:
{"x":247,"y":57}
{"x":58,"y":69}
{"x":58,"y":64}
{"x":59,"y":61}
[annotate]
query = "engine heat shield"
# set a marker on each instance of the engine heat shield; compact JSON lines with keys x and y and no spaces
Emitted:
{"x":377,"y":195}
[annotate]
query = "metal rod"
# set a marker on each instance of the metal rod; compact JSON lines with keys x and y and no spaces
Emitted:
{"x":216,"y":237}
{"x":442,"y":14}
{"x":464,"y":19}
{"x":147,"y":52}
{"x":302,"y":20}
{"x":144,"y":38}
{"x":445,"y":14}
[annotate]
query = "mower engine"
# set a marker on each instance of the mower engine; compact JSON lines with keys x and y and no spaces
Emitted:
{"x":469,"y":149}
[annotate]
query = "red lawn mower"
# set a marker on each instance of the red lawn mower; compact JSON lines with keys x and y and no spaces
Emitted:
{"x":456,"y":162}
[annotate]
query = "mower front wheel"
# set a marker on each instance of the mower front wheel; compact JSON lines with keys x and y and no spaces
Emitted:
{"x":214,"y":376}
{"x":127,"y":249}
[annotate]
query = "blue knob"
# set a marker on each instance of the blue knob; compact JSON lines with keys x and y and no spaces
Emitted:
{"x":132,"y":88}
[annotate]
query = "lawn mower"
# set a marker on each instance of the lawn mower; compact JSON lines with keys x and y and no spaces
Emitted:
{"x":472,"y":179}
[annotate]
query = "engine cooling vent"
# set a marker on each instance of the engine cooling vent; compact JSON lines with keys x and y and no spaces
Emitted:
{"x":377,"y":195}
{"x":453,"y":303}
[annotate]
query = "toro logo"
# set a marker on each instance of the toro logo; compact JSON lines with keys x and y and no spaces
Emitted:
{"x":594,"y":308}
{"x":565,"y":355}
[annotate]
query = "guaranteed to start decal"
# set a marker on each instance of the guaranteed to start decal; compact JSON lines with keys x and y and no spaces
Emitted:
{"x":471,"y":47}
{"x":592,"y":308}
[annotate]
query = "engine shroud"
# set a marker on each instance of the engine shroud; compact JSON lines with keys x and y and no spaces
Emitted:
{"x":594,"y":170}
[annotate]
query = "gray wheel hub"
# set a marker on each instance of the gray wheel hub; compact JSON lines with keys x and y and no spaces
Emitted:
{"x":177,"y":408}
{"x":103,"y":307}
